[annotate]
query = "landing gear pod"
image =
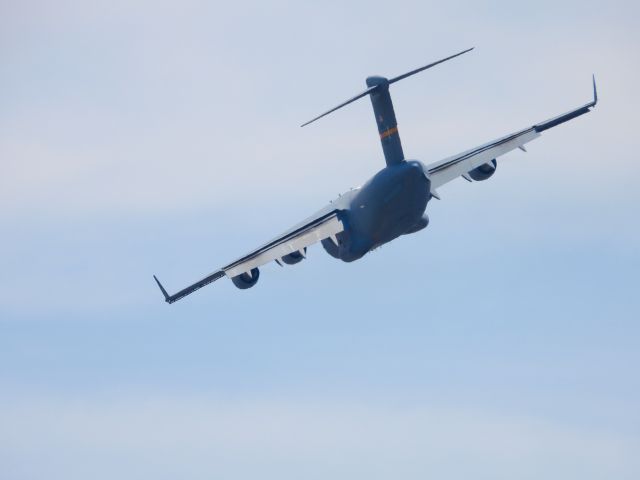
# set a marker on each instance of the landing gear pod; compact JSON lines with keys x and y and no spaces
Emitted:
{"x":421,"y":224}
{"x":246,"y":280}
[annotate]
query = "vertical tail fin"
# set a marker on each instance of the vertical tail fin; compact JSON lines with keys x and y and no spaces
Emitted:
{"x":386,"y":120}
{"x":378,"y":90}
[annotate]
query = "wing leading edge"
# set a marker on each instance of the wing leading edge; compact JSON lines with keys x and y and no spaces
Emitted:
{"x":324,"y":224}
{"x":459,"y":165}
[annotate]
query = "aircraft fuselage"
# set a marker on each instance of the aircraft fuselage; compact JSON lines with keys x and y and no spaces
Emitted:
{"x":390,"y":204}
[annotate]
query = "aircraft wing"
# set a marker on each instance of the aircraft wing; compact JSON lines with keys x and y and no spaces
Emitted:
{"x":460,"y":165}
{"x":324,"y":224}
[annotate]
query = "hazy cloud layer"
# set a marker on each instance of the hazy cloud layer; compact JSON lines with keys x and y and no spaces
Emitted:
{"x":162,"y":137}
{"x":204,"y":438}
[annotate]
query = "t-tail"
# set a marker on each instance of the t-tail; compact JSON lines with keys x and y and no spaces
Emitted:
{"x":378,"y":91}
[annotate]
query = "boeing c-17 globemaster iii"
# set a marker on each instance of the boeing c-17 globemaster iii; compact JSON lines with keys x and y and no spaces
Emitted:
{"x":390,"y":204}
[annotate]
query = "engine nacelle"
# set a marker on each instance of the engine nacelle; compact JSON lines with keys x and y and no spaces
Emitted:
{"x":246,"y":280}
{"x":484,"y":171}
{"x":294,"y":257}
{"x":331,"y":247}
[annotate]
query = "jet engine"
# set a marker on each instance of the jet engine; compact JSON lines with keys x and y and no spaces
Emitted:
{"x":294,"y":257}
{"x":246,"y":280}
{"x":331,"y":247}
{"x":484,"y":171}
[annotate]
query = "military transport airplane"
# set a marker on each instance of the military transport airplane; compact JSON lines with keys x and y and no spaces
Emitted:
{"x":390,"y":204}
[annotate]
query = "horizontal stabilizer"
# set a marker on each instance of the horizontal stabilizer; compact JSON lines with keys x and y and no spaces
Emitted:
{"x":371,"y":89}
{"x":418,"y":70}
{"x":347,"y":102}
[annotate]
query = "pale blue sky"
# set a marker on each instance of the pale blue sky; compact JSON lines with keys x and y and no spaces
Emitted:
{"x":157,"y":137}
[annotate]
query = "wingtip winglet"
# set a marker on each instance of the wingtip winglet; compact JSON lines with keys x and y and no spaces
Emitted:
{"x":167,"y":298}
{"x":595,"y":91}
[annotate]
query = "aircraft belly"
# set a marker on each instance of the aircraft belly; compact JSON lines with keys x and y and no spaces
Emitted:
{"x":400,"y":213}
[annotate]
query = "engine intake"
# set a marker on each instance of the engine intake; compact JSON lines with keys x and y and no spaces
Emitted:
{"x":246,"y":280}
{"x":484,"y":171}
{"x":331,"y":247}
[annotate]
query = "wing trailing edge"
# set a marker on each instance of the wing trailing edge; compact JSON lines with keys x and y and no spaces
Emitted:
{"x":324,"y":224}
{"x":459,"y":165}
